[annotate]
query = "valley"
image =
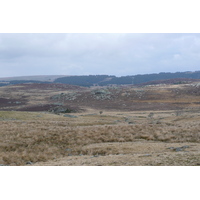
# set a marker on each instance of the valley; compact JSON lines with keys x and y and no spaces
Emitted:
{"x":57,"y":124}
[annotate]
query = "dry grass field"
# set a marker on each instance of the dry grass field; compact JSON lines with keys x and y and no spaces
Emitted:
{"x":148,"y":126}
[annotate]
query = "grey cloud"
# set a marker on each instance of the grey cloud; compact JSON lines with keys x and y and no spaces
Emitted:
{"x":116,"y":54}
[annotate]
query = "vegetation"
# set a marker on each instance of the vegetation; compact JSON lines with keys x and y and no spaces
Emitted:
{"x":115,"y":125}
{"x":33,"y":138}
{"x":104,"y":80}
{"x":85,"y":81}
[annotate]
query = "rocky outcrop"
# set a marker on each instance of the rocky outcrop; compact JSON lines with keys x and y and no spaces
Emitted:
{"x":61,"y":109}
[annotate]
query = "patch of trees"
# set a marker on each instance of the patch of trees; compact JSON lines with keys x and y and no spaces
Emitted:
{"x":139,"y":79}
{"x":103,"y":80}
{"x":85,"y":81}
{"x":164,"y":76}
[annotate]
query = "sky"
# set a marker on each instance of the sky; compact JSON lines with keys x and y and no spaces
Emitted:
{"x":120,"y":54}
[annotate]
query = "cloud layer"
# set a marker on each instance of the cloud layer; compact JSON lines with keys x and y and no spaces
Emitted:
{"x":83,"y":54}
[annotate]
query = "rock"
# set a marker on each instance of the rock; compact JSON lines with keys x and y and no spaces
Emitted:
{"x":147,"y":155}
{"x":29,"y":163}
{"x":170,"y":148}
{"x":101,"y":94}
{"x":185,"y":147}
{"x":178,"y":148}
{"x":126,"y":119}
{"x":117,"y":121}
{"x":94,"y":156}
{"x":71,"y":116}
{"x":68,"y":149}
{"x":197,"y":84}
{"x":60,"y":109}
{"x":68,"y":96}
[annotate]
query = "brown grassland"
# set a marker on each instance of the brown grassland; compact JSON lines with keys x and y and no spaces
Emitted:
{"x":148,"y":126}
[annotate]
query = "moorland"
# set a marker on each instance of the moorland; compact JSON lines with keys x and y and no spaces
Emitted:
{"x":58,"y":124}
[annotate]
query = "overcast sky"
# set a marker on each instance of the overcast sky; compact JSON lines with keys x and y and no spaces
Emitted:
{"x":90,"y":54}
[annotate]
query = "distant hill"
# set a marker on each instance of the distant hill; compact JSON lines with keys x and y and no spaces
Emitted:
{"x":49,"y":78}
{"x":104,"y":80}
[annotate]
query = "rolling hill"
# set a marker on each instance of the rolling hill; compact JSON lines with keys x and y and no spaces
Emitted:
{"x":104,"y":80}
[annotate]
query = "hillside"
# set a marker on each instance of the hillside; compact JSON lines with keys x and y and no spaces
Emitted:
{"x":61,"y":124}
{"x":104,"y":80}
{"x":56,"y":96}
{"x":85,"y":81}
